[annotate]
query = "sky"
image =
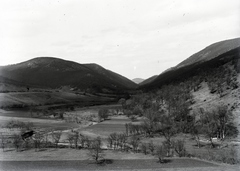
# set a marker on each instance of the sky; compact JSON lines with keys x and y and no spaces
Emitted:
{"x":135,"y":38}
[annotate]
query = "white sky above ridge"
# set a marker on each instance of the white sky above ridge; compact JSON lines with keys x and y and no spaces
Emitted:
{"x":135,"y":38}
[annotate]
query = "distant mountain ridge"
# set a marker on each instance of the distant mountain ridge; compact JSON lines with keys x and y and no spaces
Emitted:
{"x":137,"y":80}
{"x":54,"y":72}
{"x":214,"y":54}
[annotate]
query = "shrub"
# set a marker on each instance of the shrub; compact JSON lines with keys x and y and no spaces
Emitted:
{"x":133,"y":118}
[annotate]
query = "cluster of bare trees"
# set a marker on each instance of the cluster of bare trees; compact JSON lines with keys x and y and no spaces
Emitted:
{"x":215,"y":123}
{"x":222,"y":78}
{"x":117,"y":141}
{"x":167,"y":113}
{"x":76,"y":139}
{"x":36,"y":140}
{"x":134,"y":129}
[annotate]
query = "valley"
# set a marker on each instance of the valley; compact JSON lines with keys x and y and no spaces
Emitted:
{"x":52,"y":109}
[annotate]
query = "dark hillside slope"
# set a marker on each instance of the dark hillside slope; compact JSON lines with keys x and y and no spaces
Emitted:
{"x":149,"y":80}
{"x":53,"y":73}
{"x":211,"y":57}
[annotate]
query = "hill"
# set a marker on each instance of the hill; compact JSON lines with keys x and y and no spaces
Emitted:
{"x":212,"y":56}
{"x":148,"y":80}
{"x":49,"y":72}
{"x":206,"y":81}
{"x":137,"y":80}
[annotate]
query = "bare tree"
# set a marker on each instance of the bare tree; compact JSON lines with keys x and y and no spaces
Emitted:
{"x":38,"y":138}
{"x":179,"y":147}
{"x":196,"y":130}
{"x":225,"y":124}
{"x":113,"y":140}
{"x":122,"y":138}
{"x":76,"y":139}
{"x":122,"y":101}
{"x":27,"y":143}
{"x":144,"y":148}
{"x":96,"y":151}
{"x":88,"y":142}
{"x":83,"y":140}
{"x":135,"y":143}
{"x":127,"y":128}
{"x":168,"y":129}
{"x":3,"y":141}
{"x":161,"y":153}
{"x":17,"y":141}
{"x":56,"y":135}
{"x":102,"y":114}
{"x":210,"y":126}
{"x":70,"y":140}
{"x":110,"y":142}
{"x":151,"y":147}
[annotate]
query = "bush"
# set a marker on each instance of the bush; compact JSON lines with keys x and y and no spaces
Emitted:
{"x":133,"y":118}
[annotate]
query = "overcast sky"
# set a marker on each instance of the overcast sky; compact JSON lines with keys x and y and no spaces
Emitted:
{"x":135,"y":38}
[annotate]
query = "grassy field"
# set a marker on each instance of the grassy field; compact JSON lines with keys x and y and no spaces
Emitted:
{"x":50,"y":98}
{"x":71,"y":159}
{"x":105,"y":128}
